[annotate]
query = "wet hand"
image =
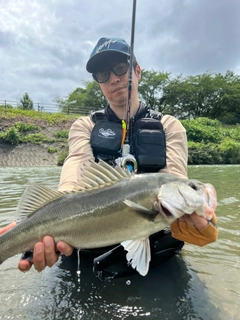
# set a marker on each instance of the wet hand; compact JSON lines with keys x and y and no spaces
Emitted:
{"x":194,"y":220}
{"x":195,"y":229}
{"x":45,"y":254}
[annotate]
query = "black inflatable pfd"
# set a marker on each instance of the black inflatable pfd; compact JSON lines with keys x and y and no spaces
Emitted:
{"x":147,"y":138}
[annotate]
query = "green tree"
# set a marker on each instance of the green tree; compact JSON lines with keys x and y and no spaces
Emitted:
{"x":25,"y":102}
{"x":151,"y":88}
{"x":83,"y":100}
{"x":193,"y":96}
{"x":210,"y":95}
{"x":230,"y":108}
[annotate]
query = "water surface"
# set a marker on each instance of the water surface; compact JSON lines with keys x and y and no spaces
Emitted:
{"x":200,"y":283}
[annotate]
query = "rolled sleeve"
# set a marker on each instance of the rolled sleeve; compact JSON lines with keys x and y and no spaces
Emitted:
{"x":80,"y":153}
{"x":177,"y":147}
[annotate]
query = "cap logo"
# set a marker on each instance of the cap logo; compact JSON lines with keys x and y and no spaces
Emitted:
{"x":105,"y":44}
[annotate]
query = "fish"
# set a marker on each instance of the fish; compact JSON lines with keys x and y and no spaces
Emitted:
{"x":111,"y":206}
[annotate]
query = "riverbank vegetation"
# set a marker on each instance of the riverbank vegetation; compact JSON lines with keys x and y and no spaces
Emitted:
{"x":207,"y":105}
{"x":209,"y":141}
{"x":19,"y":126}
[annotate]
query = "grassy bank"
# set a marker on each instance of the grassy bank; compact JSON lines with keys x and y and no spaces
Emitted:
{"x":37,"y":128}
{"x":209,"y":141}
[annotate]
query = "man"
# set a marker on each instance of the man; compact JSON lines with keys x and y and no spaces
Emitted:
{"x":109,"y":65}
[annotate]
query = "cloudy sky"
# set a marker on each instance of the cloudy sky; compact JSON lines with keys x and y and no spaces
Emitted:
{"x":45,"y":44}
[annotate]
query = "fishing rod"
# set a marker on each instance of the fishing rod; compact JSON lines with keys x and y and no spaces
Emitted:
{"x":126,"y":124}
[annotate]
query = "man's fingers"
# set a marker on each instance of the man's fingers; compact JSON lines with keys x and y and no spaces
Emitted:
{"x":199,"y":222}
{"x":194,"y":220}
{"x":187,"y":219}
{"x":51,"y":256}
{"x":182,"y":218}
{"x":44,"y":254}
{"x":39,"y":257}
{"x":64,"y":248}
{"x":24,"y":265}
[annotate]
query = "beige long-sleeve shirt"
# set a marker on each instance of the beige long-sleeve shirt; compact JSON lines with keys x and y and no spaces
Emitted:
{"x":80,"y":151}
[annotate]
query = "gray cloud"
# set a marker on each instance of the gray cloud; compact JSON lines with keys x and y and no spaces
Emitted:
{"x":44,"y":46}
{"x":196,"y":36}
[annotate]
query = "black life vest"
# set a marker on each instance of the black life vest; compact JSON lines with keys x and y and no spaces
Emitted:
{"x":147,"y":138}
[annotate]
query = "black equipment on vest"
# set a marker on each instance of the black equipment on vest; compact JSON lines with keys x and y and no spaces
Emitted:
{"x":147,"y":139}
{"x":149,"y":144}
{"x":106,"y":140}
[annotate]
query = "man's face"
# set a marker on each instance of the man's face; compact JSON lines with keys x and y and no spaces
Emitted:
{"x":115,"y":89}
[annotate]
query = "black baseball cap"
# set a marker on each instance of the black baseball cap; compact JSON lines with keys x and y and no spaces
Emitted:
{"x":104,"y":48}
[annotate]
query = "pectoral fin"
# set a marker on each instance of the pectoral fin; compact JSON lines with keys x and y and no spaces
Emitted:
{"x":139,"y":254}
{"x":138,"y":207}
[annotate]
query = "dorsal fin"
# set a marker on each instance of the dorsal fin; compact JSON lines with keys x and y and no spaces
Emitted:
{"x":98,"y":175}
{"x":116,"y":171}
{"x":34,"y":197}
{"x":94,"y":176}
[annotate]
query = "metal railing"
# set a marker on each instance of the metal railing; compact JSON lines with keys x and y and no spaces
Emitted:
{"x":47,"y":107}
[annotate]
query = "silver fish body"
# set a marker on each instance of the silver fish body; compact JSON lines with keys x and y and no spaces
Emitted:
{"x":106,"y":213}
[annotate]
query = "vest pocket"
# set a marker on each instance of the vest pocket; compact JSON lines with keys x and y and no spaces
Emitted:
{"x":106,"y":138}
{"x":150,"y":149}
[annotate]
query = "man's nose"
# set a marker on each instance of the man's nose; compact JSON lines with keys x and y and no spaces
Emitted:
{"x":114,"y":78}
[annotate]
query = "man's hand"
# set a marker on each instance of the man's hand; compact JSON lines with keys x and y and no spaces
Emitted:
{"x":195,"y":229}
{"x":194,"y":220}
{"x":45,"y":253}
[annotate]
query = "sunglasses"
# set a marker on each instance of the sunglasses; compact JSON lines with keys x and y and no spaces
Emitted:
{"x":118,"y":69}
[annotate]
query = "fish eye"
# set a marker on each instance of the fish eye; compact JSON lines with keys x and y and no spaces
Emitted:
{"x":193,"y":185}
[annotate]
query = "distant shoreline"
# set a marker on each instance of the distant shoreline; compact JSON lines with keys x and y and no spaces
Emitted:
{"x":26,"y":155}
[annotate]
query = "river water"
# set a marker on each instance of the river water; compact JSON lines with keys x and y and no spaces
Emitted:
{"x":199,"y":283}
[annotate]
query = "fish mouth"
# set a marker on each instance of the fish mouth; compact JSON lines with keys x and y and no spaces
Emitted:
{"x":162,"y":210}
{"x":165,"y":211}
